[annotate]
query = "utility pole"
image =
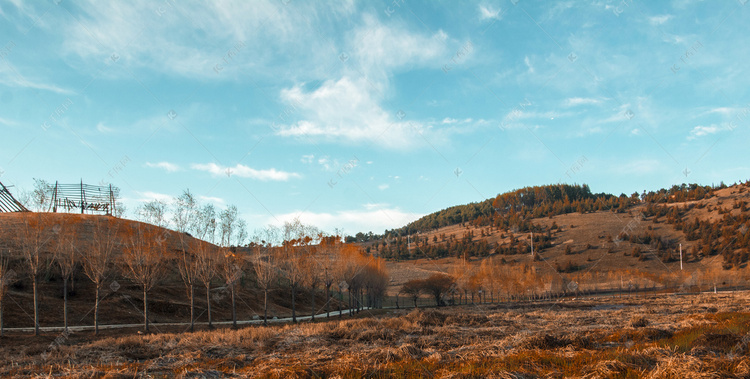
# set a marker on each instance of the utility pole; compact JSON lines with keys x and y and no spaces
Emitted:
{"x":532,"y":244}
{"x":680,"y":257}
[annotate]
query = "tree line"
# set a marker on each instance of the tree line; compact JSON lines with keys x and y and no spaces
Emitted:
{"x":294,"y":257}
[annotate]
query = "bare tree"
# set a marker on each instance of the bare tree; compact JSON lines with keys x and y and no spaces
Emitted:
{"x":227,"y":223}
{"x":240,"y":236}
{"x":40,"y":197}
{"x":35,"y":237}
{"x":66,"y":256}
{"x":96,"y":261}
{"x":185,"y":210}
{"x":205,"y":256}
{"x":188,"y":266}
{"x":144,"y":258}
{"x":7,"y":276}
{"x":265,"y":266}
{"x":206,"y":223}
{"x":231,"y":268}
{"x":153,"y":212}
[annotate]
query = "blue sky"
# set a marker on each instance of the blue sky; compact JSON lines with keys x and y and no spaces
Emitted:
{"x":366,"y":115}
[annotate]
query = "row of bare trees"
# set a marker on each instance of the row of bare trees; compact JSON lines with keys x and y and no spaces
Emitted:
{"x":295,"y":257}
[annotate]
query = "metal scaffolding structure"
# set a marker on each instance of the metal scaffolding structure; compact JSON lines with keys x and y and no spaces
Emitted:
{"x":8,"y":203}
{"x":83,"y":197}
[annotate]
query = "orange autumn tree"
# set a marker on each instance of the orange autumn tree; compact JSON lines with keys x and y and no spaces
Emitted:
{"x":144,"y":259}
{"x":329,"y":257}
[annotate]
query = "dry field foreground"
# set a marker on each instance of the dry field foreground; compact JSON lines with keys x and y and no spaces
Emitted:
{"x":665,"y":336}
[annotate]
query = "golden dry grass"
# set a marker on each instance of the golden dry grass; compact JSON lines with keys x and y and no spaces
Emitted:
{"x":660,"y":336}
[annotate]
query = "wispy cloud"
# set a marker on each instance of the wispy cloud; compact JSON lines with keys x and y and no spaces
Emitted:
{"x":701,"y":131}
{"x":369,"y":218}
{"x":658,"y":20}
{"x":169,"y":167}
{"x":150,"y":196}
{"x":14,"y":79}
{"x":487,"y":12}
{"x":7,"y":122}
{"x":211,"y":199}
{"x":576,"y":101}
{"x":243,"y":171}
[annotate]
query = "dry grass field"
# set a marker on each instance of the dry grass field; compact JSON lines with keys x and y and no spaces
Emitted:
{"x":659,"y":336}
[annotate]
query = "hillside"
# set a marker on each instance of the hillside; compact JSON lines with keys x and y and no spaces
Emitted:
{"x":122,"y":298}
{"x":606,"y":241}
{"x":581,"y":242}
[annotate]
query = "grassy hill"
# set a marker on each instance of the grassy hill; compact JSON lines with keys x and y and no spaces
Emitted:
{"x":633,"y":242}
{"x":581,"y":242}
{"x":122,"y":298}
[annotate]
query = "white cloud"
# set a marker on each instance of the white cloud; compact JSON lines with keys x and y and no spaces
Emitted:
{"x":700,"y":131}
{"x":150,"y":196}
{"x":371,"y":206}
{"x":345,"y":110}
{"x":348,"y":109}
{"x":383,"y":187}
{"x":105,"y":28}
{"x":246,"y":172}
{"x":575,"y":101}
{"x":211,"y":199}
{"x":487,"y":12}
{"x":527,"y":62}
{"x":658,"y":20}
{"x":639,"y":167}
{"x":169,"y":167}
{"x":307,"y":159}
{"x":375,"y":219}
{"x":103,"y":128}
{"x":378,"y":48}
{"x":12,"y":78}
{"x":449,"y":120}
{"x":8,"y":122}
{"x":326,"y":163}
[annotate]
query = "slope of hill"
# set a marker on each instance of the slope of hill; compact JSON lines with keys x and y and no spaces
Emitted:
{"x":636,"y":242}
{"x":121,"y":298}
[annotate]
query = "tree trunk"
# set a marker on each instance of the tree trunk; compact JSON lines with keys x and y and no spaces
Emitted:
{"x":2,"y":328}
{"x":265,"y":306}
{"x":96,"y":310}
{"x":208,"y":304}
{"x":36,"y":306}
{"x":294,"y":310}
{"x":341,"y":298}
{"x":145,"y":310}
{"x":312,"y":318}
{"x":65,"y":302}
{"x":328,"y":301}
{"x":234,"y":310}
{"x":192,"y":308}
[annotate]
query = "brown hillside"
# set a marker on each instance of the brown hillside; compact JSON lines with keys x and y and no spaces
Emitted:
{"x":122,"y":299}
{"x":594,"y":251}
